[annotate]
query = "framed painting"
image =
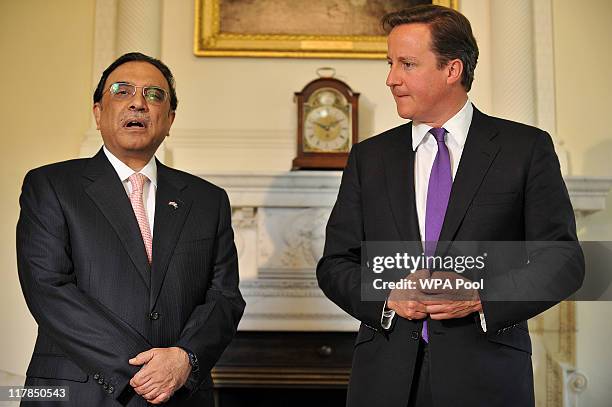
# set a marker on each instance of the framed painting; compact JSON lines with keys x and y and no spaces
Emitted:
{"x":295,"y":29}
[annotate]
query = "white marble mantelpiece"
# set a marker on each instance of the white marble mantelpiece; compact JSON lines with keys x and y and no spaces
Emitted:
{"x":588,"y":194}
{"x":279,"y":220}
{"x":279,"y":189}
{"x":320,"y":188}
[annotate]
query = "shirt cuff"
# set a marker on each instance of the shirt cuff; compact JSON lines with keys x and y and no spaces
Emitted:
{"x":387,"y":317}
{"x":483,"y":322}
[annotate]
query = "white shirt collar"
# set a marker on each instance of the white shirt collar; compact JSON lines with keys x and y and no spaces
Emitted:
{"x":457,"y":127}
{"x":124,"y":172}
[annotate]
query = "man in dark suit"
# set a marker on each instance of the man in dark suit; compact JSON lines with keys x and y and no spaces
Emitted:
{"x":128,"y":266}
{"x":451,"y":174}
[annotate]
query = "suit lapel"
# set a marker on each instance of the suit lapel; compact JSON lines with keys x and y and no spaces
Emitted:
{"x":479,"y":152}
{"x":399,"y":175}
{"x":107,"y":192}
{"x":171,"y":209}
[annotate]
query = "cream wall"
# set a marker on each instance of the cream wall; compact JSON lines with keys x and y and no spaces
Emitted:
{"x":582,"y":33}
{"x":254,"y":96}
{"x":46,"y":42}
{"x":46,"y":49}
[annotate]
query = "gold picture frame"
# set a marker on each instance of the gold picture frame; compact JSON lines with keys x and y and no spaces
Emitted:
{"x":211,"y":41}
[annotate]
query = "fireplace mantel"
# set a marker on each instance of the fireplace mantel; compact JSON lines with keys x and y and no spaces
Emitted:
{"x":279,"y":220}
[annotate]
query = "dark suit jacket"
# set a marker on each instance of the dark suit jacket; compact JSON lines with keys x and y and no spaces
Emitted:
{"x":508,"y":187}
{"x":97,"y":301}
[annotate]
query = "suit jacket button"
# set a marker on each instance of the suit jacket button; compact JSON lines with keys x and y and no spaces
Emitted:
{"x":154,"y":315}
{"x":96,"y":376}
{"x":101,"y":380}
{"x":105,"y":386}
{"x":414,"y":335}
{"x":110,"y":390}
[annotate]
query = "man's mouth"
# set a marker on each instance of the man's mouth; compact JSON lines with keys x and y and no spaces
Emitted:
{"x":135,"y":123}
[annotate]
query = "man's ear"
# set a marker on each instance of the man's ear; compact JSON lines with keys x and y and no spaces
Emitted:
{"x":97,"y":111}
{"x":171,"y":115}
{"x":455,"y":71}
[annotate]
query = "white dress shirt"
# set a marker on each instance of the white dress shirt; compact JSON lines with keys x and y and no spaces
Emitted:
{"x":426,"y":147}
{"x":150,"y":186}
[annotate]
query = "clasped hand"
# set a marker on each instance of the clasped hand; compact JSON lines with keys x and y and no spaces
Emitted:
{"x":437,"y":302}
{"x":163,"y":371}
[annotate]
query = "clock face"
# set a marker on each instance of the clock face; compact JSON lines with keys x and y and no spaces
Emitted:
{"x":327,"y":124}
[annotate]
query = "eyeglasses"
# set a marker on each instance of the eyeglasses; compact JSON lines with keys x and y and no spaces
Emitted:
{"x":123,"y":90}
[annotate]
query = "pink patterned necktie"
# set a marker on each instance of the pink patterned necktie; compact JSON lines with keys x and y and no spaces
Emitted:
{"x":137,"y":180}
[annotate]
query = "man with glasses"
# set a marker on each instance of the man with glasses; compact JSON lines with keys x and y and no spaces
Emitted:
{"x":128,"y":266}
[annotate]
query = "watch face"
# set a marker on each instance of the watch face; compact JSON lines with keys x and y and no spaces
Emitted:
{"x":327,"y":123}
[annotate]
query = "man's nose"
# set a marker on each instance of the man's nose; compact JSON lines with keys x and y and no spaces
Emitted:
{"x":138,"y":101}
{"x":392,"y":77}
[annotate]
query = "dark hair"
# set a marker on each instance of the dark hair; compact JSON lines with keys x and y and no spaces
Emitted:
{"x":137,"y":56}
{"x":451,"y":35}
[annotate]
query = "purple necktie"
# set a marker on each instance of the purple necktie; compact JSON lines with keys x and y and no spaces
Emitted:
{"x":438,"y":192}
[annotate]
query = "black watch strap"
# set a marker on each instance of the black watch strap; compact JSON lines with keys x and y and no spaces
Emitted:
{"x":193,"y":361}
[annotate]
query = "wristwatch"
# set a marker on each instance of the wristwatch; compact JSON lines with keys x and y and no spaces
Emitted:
{"x":193,"y":361}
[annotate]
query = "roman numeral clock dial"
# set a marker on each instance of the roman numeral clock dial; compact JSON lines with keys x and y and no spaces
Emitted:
{"x":327,"y":124}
